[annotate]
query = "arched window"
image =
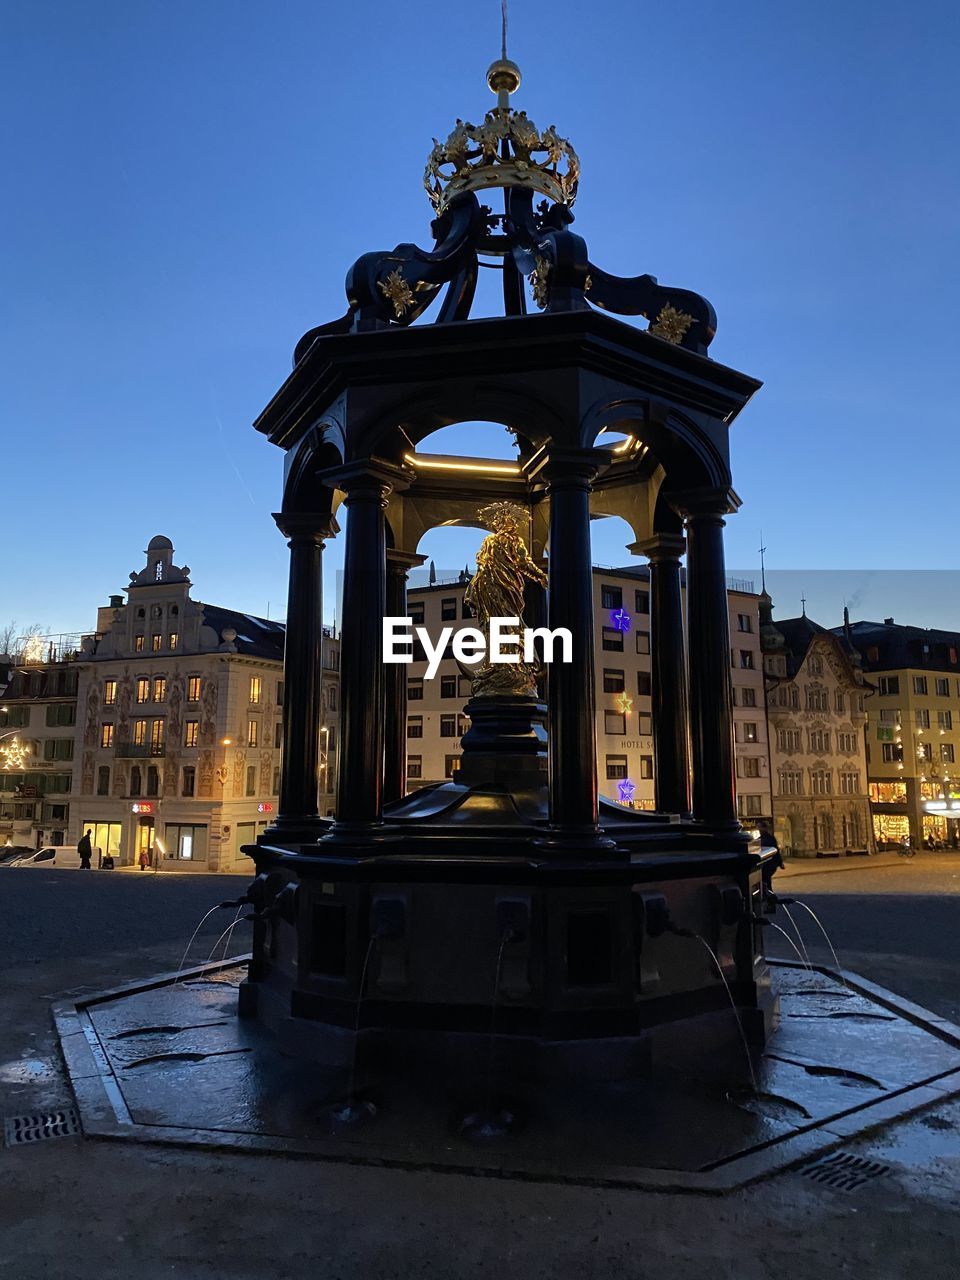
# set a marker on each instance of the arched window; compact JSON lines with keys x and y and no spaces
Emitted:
{"x":103,"y":780}
{"x":136,"y":780}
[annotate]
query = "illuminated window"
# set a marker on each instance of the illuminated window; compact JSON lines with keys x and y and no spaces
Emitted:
{"x":451,"y":766}
{"x":139,"y":732}
{"x":253,"y":732}
{"x":193,"y":689}
{"x":159,"y":688}
{"x":155,"y":643}
{"x":109,"y":692}
{"x":946,"y":752}
{"x":172,"y":639}
{"x":191,"y":733}
{"x":157,"y":734}
{"x":750,"y":732}
{"x":254,"y":689}
{"x":106,"y":734}
{"x":143,"y":690}
{"x":138,"y":643}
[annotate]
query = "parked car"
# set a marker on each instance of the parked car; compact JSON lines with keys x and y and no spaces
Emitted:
{"x":51,"y":855}
{"x":10,"y":852}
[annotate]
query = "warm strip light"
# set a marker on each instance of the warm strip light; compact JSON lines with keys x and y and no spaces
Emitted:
{"x":490,"y":468}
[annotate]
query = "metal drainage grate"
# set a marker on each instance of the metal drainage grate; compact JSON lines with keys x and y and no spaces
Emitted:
{"x":18,"y":1130}
{"x":844,"y":1172}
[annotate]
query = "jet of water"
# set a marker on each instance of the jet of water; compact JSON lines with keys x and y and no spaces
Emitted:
{"x":796,"y":930}
{"x":183,"y":958}
{"x":783,"y":933}
{"x":816,"y":921}
{"x":733,"y":1005}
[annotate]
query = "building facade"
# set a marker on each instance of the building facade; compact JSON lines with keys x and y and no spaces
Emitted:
{"x":913,"y":732}
{"x":816,"y":697}
{"x":436,"y":721}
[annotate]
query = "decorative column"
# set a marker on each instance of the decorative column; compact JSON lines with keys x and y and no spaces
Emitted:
{"x":399,"y":563}
{"x":670,"y":705}
{"x":708,"y":630}
{"x":571,"y":695}
{"x":299,"y":815}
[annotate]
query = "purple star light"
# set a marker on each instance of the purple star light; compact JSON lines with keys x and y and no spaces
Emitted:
{"x":627,"y":790}
{"x":620,"y":619}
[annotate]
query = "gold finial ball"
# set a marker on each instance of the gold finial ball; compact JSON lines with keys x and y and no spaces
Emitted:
{"x":503,"y":76}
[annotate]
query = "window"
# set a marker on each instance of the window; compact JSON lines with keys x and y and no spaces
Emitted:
{"x":849,"y":782}
{"x":944,"y":719}
{"x":611,"y":597}
{"x":925,"y":751}
{"x":138,"y":644}
{"x":921,"y":718}
{"x":611,"y":640}
{"x":193,"y":689}
{"x":818,"y":741}
{"x":188,"y":780}
{"x":103,"y":780}
{"x":616,"y":767}
{"x":136,"y":780}
{"x":750,"y":732}
{"x":643,"y":642}
{"x":791,"y":782}
{"x":251,"y":779}
{"x":253,"y":733}
{"x":159,"y":688}
{"x":14,"y":717}
{"x":448,"y":726}
{"x":415,"y":611}
{"x":414,"y":726}
{"x":451,"y":765}
{"x":109,"y":692}
{"x":156,"y":642}
{"x":279,"y":693}
{"x":815,"y":665}
{"x":847,"y":742}
{"x":644,"y":684}
{"x":278,"y":735}
{"x":172,"y":639}
{"x":448,"y":686}
{"x":646,"y":767}
{"x":744,"y":622}
{"x":946,"y":752}
{"x":919,"y":684}
{"x":839,"y":702}
{"x":143,"y":690}
{"x":614,"y":722}
{"x":106,"y":734}
{"x":890,"y":715}
{"x":466,"y":610}
{"x":888,"y":685}
{"x":58,"y":749}
{"x":816,"y":698}
{"x":61,"y":713}
{"x":186,"y":843}
{"x":448,"y":609}
{"x":751,"y":766}
{"x":746,"y":659}
{"x":891,"y":752}
{"x":463,"y":725}
{"x":414,"y":766}
{"x":821,"y":782}
{"x":788,"y":740}
{"x":139,"y":732}
{"x":748,"y":697}
{"x":943,"y":687}
{"x":642,"y":602}
{"x":254,"y":689}
{"x":332,"y":696}
{"x":415,"y":690}
{"x":750,"y":805}
{"x":191,"y":733}
{"x":464,"y":686}
{"x":153,"y":780}
{"x":612,"y":680}
{"x":157,"y":735}
{"x":276,"y":782}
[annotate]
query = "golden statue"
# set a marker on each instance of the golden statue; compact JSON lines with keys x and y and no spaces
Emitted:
{"x":496,"y":591}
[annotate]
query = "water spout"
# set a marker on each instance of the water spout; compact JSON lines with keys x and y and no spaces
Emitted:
{"x":352,"y":1110}
{"x":796,"y":930}
{"x":733,"y":1005}
{"x":183,"y":958}
{"x":816,"y":921}
{"x":783,"y":933}
{"x":491,"y":1122}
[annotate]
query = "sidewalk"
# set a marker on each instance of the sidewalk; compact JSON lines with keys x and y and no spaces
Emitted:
{"x":833,"y":866}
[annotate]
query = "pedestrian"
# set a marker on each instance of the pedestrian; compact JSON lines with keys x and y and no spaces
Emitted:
{"x":85,"y":850}
{"x":144,"y":859}
{"x":157,"y":857}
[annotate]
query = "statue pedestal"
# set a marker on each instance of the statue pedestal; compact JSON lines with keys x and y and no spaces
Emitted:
{"x":506,"y":744}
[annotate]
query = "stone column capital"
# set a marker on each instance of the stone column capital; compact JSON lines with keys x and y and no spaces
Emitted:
{"x":570,"y":468}
{"x":403,"y":561}
{"x":306,"y":526}
{"x":368,"y":478}
{"x":704,"y":504}
{"x":662,"y":547}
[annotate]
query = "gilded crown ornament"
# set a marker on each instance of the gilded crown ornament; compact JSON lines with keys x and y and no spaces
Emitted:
{"x":507,"y":150}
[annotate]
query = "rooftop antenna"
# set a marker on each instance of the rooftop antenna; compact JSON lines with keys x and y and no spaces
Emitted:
{"x":763,"y":578}
{"x":503,"y":29}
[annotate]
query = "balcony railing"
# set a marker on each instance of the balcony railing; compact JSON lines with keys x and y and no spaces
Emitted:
{"x":138,"y":750}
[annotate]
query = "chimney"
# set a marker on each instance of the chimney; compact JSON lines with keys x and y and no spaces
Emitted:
{"x":888,"y":622}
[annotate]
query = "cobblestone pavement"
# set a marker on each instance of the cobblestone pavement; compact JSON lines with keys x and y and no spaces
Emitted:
{"x":77,"y":1209}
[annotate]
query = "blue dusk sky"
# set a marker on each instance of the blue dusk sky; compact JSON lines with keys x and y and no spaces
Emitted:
{"x":187,"y":184}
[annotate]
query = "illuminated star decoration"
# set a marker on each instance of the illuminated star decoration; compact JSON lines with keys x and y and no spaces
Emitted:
{"x":620,"y":619}
{"x":625,"y":703}
{"x":627,"y":790}
{"x":14,"y":754}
